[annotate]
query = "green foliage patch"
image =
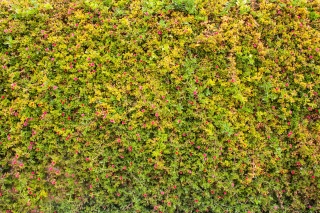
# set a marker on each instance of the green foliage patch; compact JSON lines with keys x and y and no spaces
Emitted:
{"x":159,"y":106}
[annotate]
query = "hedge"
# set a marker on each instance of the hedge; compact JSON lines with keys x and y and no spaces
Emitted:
{"x":159,"y":106}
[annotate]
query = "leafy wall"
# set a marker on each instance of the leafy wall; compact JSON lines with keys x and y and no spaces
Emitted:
{"x":159,"y":106}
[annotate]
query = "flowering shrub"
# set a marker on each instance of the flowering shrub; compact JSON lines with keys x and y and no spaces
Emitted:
{"x":159,"y":106}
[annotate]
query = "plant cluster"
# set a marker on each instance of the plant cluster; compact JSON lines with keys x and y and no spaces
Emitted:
{"x":159,"y":106}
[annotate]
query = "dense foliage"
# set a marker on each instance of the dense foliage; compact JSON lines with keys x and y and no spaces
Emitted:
{"x":159,"y":106}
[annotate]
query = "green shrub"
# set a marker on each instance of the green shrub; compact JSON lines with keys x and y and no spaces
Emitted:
{"x":159,"y":106}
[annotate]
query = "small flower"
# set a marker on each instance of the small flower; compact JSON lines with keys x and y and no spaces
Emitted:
{"x":159,"y":32}
{"x":289,"y":134}
{"x":55,"y":87}
{"x":157,"y":115}
{"x":195,"y":92}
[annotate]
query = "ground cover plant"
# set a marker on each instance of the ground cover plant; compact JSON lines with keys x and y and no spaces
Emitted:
{"x":159,"y":106}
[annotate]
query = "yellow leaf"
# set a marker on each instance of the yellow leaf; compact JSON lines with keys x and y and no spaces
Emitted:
{"x":43,"y":193}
